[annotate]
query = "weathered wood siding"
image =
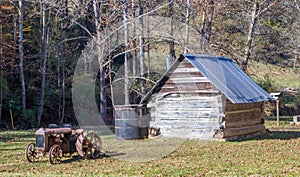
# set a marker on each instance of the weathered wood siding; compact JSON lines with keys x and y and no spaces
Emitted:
{"x":242,"y":119}
{"x":188,"y":105}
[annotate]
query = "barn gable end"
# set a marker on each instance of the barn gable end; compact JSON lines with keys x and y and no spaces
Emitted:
{"x":188,"y":105}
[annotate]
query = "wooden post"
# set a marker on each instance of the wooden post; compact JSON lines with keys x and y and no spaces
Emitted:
{"x":11,"y":117}
{"x":277,"y":111}
{"x":276,"y":97}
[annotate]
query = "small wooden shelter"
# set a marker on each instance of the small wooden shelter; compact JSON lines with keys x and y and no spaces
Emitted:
{"x":204,"y":96}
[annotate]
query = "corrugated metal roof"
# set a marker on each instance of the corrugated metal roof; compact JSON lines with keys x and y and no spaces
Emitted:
{"x":228,"y":77}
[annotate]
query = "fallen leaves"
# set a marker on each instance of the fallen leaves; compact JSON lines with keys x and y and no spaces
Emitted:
{"x":256,"y":157}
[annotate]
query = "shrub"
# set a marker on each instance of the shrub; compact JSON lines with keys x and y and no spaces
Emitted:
{"x":266,"y":83}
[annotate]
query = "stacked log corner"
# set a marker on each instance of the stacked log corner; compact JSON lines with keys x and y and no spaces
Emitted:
{"x":243,"y":119}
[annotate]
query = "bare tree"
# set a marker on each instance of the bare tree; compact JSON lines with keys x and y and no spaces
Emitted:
{"x":296,"y":33}
{"x":15,"y":17}
{"x":43,"y":61}
{"x":126,"y":68}
{"x":102,"y":103}
{"x":171,"y":44}
{"x":202,"y":28}
{"x":187,"y":23}
{"x":61,"y":66}
{"x":21,"y":53}
{"x":1,"y":73}
{"x":209,"y":20}
{"x":256,"y":12}
{"x":134,"y":41}
{"x":142,"y":50}
{"x":1,"y":93}
{"x":206,"y":24}
{"x":254,"y":18}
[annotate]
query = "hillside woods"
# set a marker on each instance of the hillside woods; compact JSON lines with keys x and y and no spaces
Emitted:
{"x":41,"y":41}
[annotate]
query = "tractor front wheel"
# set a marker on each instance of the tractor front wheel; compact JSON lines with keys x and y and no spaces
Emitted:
{"x":31,"y":154}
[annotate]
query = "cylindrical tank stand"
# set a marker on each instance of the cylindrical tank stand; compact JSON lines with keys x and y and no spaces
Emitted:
{"x":131,"y":122}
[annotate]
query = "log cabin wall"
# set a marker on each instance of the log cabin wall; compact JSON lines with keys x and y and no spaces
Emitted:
{"x":242,"y":119}
{"x":202,"y":92}
{"x":187,"y":105}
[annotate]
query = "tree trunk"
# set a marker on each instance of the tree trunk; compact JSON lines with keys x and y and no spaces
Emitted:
{"x":43,"y":62}
{"x":15,"y":32}
{"x":126,"y":69}
{"x":1,"y":73}
{"x":202,"y":30}
{"x":142,"y":49}
{"x":134,"y":41}
{"x":63,"y":90}
{"x":61,"y":76}
{"x":21,"y":53}
{"x":111,"y":74}
{"x":1,"y":91}
{"x":254,"y":18}
{"x":61,"y":72}
{"x":171,"y":45}
{"x":102,"y":98}
{"x":209,"y":20}
{"x":102,"y":103}
{"x":59,"y":85}
{"x":148,"y":59}
{"x":148,"y":52}
{"x":111,"y":86}
{"x":187,"y":23}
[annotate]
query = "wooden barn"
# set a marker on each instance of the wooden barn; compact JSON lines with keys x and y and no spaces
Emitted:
{"x":204,"y":96}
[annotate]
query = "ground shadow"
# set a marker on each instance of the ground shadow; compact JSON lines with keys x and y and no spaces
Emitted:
{"x":71,"y":159}
{"x":276,"y":134}
{"x":76,"y":158}
{"x":115,"y":154}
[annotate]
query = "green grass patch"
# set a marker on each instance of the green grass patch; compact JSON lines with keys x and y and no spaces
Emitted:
{"x":273,"y":154}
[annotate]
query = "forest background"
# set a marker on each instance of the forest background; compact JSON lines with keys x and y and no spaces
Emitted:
{"x":41,"y":41}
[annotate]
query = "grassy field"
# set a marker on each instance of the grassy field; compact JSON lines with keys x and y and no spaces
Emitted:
{"x":273,"y":154}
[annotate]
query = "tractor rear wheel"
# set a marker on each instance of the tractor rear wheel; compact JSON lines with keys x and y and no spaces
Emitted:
{"x":92,"y":146}
{"x":55,"y":154}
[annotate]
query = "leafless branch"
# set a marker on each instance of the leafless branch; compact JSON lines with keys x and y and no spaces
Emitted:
{"x":266,"y":8}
